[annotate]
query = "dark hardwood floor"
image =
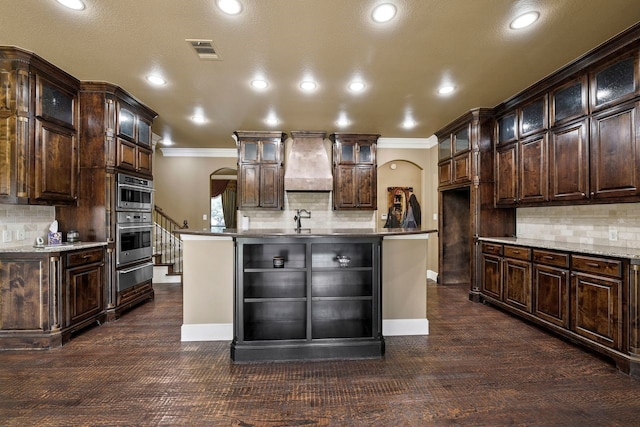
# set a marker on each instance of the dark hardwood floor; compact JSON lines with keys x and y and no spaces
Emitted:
{"x":478,"y":366}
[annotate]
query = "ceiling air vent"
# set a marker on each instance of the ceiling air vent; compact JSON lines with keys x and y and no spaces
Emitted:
{"x":204,"y":49}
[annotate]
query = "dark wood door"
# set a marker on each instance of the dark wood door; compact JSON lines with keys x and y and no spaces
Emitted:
{"x":551,"y":294}
{"x":533,"y":170}
{"x":344,"y":195}
{"x":56,"y":163}
{"x":492,"y":276}
{"x":126,"y":155}
{"x":269,"y":186}
{"x":517,"y":283}
{"x":507,"y":175}
{"x":569,"y":162}
{"x":596,"y":309}
{"x":249,"y":183}
{"x":365,"y":185}
{"x":615,"y":153}
{"x":84,"y":291}
{"x":144,"y":160}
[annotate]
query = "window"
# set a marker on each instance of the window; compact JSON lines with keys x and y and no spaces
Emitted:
{"x":217,"y":216}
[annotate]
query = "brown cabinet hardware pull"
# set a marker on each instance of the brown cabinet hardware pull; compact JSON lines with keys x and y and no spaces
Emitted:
{"x":516,"y":252}
{"x":548,"y":257}
{"x":593,"y":264}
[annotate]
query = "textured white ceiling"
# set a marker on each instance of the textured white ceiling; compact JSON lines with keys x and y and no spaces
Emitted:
{"x":402,"y":62}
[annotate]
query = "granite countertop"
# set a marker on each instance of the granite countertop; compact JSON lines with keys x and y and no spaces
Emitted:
{"x":308,"y":232}
{"x":604,"y":250}
{"x":64,"y":247}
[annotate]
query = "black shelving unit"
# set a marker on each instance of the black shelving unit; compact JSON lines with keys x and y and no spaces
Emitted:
{"x":312,"y":308}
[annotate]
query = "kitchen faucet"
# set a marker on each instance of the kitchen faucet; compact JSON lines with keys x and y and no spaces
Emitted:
{"x":299,"y":216}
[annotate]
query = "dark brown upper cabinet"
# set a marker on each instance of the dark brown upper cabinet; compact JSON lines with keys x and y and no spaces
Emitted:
{"x":614,"y":81}
{"x":260,"y":169}
{"x":444,"y":148}
{"x":354,"y":171}
{"x":569,"y":101}
{"x":533,"y":117}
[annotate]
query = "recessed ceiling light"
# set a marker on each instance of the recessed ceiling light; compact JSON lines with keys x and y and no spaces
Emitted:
{"x":343,"y":121}
{"x":446,"y":89}
{"x":199,"y":119}
{"x":230,"y":7}
{"x":272,"y":120}
{"x":356,"y":86}
{"x":259,"y":84}
{"x":166,"y":141}
{"x":525,"y":20}
{"x":308,"y":85}
{"x":383,"y":13}
{"x":156,"y":80}
{"x":409,"y":123}
{"x":72,"y":4}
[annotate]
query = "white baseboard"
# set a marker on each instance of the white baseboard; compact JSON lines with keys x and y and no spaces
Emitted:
{"x":399,"y":327}
{"x":207,"y":332}
{"x":224,"y":331}
{"x":432,"y":275}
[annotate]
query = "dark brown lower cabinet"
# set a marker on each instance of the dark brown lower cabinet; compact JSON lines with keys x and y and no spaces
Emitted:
{"x":592,"y":300}
{"x":45,"y":297}
{"x":311,"y":308}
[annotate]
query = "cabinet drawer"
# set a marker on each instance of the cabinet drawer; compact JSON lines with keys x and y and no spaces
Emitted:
{"x":600,"y":266}
{"x":492,"y":248}
{"x":550,"y":258}
{"x":84,"y":257}
{"x":517,"y":252}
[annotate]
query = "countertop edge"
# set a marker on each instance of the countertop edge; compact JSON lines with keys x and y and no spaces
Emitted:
{"x":585,"y":248}
{"x":65,"y":247}
{"x":255,"y":233}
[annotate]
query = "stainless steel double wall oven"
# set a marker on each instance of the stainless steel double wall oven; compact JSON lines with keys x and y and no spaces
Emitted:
{"x":134,"y":228}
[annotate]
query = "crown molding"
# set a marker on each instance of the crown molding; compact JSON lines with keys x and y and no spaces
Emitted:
{"x":415,"y":143}
{"x":199,"y":152}
{"x":384,"y":143}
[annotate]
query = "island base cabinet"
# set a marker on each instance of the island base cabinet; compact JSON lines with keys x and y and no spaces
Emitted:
{"x":310,"y":307}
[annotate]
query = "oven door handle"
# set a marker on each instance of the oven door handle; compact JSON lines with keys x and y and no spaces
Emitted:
{"x":136,"y":187}
{"x":138,"y":225}
{"x":137,"y":267}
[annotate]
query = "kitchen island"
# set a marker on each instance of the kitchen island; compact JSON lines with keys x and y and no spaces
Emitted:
{"x":311,"y":307}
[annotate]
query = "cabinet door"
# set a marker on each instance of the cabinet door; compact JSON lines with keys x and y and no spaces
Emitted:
{"x":144,"y":160}
{"x":492,"y":276}
{"x":533,"y":170}
{"x":569,"y":162}
{"x":615,"y":81}
{"x":445,"y":173}
{"x":126,"y":123}
{"x":462,"y":168}
{"x":14,"y":135}
{"x":517,"y":284}
{"x":596,"y":309}
{"x":551,"y":294}
{"x":84,"y":293}
{"x":533,"y":117}
{"x":507,"y":175}
{"x":444,"y":148}
{"x":365,"y":187}
{"x":569,"y":101}
{"x":344,"y":195}
{"x":269,"y":186}
{"x":56,"y":163}
{"x":269,"y":152}
{"x":24,"y":289}
{"x":615,"y":153}
{"x":127,"y":156}
{"x":249,"y":185}
{"x":144,"y":132}
{"x":249,"y":152}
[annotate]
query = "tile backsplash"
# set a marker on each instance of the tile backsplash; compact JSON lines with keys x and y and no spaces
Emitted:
{"x":33,"y":221}
{"x":322,"y":214}
{"x":587,"y":224}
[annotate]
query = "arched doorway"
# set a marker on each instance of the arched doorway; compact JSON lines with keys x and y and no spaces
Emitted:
{"x":222,"y":193}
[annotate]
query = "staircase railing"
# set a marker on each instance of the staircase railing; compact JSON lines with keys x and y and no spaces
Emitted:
{"x":168,"y":245}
